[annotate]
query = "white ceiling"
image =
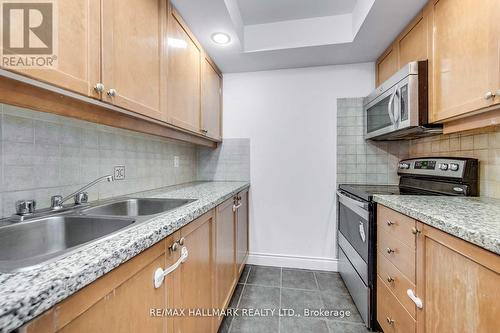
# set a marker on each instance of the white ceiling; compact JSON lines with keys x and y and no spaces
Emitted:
{"x":278,"y":37}
{"x":266,"y":11}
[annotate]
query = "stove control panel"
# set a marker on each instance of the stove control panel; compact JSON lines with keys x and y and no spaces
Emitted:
{"x":434,"y":167}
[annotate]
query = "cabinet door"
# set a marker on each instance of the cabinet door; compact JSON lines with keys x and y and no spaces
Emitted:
{"x":225,"y":272}
{"x":78,"y":56}
{"x":466,"y":53}
{"x":387,"y":65}
{"x":458,"y":283}
{"x":194,"y":286}
{"x":126,"y":309}
{"x":412,"y":44}
{"x":242,"y":232}
{"x":183,"y":76}
{"x":211,"y":101}
{"x":133,"y":54}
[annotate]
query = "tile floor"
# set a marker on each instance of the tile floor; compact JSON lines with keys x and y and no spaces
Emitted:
{"x":263,"y":287}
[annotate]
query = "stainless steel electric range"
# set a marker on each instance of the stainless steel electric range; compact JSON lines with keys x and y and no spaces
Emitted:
{"x":357,"y":218}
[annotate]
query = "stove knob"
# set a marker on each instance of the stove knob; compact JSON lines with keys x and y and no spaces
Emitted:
{"x":404,"y":166}
{"x":454,"y":167}
{"x":443,"y":166}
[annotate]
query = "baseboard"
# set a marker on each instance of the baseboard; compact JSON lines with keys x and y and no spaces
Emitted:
{"x":279,"y":260}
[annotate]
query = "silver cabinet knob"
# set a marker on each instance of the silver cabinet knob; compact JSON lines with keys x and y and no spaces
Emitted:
{"x":112,"y":92}
{"x":204,"y":131}
{"x":415,"y":231}
{"x":489,"y":95}
{"x":389,"y":250}
{"x":182,"y":241}
{"x":25,"y":207}
{"x":389,"y":223}
{"x":99,"y":87}
{"x":174,"y":247}
{"x":390,"y":321}
{"x":390,"y":279}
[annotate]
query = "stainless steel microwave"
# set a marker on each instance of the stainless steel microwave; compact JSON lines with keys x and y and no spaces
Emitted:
{"x":398,"y":108}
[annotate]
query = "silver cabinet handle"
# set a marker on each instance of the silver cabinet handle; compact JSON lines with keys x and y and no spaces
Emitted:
{"x":160,"y":274}
{"x":489,"y":95}
{"x":390,"y":279}
{"x":415,"y":231}
{"x":182,"y":241}
{"x":415,"y":299}
{"x":389,"y":223}
{"x":99,"y":87}
{"x":204,"y":131}
{"x":390,"y":321}
{"x":389,"y":250}
{"x":236,"y":207}
{"x":112,"y":92}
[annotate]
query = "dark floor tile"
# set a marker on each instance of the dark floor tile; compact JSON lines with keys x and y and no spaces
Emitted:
{"x":255,"y":325}
{"x":259,"y":297}
{"x":302,"y":325}
{"x":343,"y":303}
{"x":265,"y":276}
{"x":236,"y":296}
{"x":299,"y":300}
{"x":331,"y":282}
{"x":346,"y":327}
{"x":295,"y":278}
{"x":225,"y":325}
{"x":244,"y":274}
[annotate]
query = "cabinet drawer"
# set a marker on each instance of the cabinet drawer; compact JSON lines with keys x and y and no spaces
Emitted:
{"x":399,"y":254}
{"x":397,"y":283}
{"x":391,"y":315}
{"x":400,"y":226}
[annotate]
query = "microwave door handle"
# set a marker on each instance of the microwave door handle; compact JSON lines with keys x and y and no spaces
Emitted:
{"x":397,"y":101}
{"x":390,"y":107}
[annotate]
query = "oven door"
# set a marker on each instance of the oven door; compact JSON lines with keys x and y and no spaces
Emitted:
{"x":354,"y":250}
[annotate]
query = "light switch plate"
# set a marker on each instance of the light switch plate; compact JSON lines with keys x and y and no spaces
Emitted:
{"x":176,"y":161}
{"x":119,"y":172}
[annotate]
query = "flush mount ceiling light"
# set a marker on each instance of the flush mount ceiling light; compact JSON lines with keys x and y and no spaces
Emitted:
{"x":221,"y":38}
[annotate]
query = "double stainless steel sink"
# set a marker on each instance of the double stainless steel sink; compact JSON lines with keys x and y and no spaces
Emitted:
{"x":28,"y":244}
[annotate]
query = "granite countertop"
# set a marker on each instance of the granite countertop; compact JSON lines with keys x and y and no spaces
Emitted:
{"x":27,"y":294}
{"x":475,"y":220}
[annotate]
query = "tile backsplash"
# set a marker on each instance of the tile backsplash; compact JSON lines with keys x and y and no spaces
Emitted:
{"x":360,"y":161}
{"x":482,"y":144}
{"x":43,"y":155}
{"x":229,"y":162}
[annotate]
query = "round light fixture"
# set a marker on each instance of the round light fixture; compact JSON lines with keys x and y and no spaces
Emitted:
{"x":221,"y":38}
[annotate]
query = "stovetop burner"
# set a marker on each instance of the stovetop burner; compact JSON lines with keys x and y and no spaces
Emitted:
{"x":425,"y":176}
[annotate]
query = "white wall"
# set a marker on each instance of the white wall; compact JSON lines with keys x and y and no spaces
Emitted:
{"x":290,"y":118}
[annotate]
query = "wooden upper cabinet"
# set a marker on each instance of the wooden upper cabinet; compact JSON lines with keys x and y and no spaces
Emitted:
{"x":465,"y":56}
{"x":387,"y":65}
{"x":194,"y":278}
{"x":78,"y":64}
{"x":413,"y":43}
{"x":133,"y":55}
{"x":211,"y":100}
{"x":458,"y":284}
{"x":184,"y":71}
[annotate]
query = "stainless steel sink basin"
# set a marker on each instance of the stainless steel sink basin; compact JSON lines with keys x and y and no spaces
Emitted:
{"x":26,"y":244}
{"x":137,"y":207}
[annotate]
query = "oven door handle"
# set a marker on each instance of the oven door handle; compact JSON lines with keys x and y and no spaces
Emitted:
{"x":357,"y":206}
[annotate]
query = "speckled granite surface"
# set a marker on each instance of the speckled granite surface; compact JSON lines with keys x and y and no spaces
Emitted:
{"x":476,"y":220}
{"x":25,"y":295}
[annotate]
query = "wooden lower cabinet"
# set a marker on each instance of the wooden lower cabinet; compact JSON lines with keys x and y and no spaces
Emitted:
{"x":225,"y":256}
{"x":126,"y":301}
{"x":242,"y":231}
{"x":457,"y":282}
{"x":194,"y":278}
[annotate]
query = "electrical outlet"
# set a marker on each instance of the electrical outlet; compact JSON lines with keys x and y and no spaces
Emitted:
{"x":119,"y":172}
{"x":176,"y":161}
